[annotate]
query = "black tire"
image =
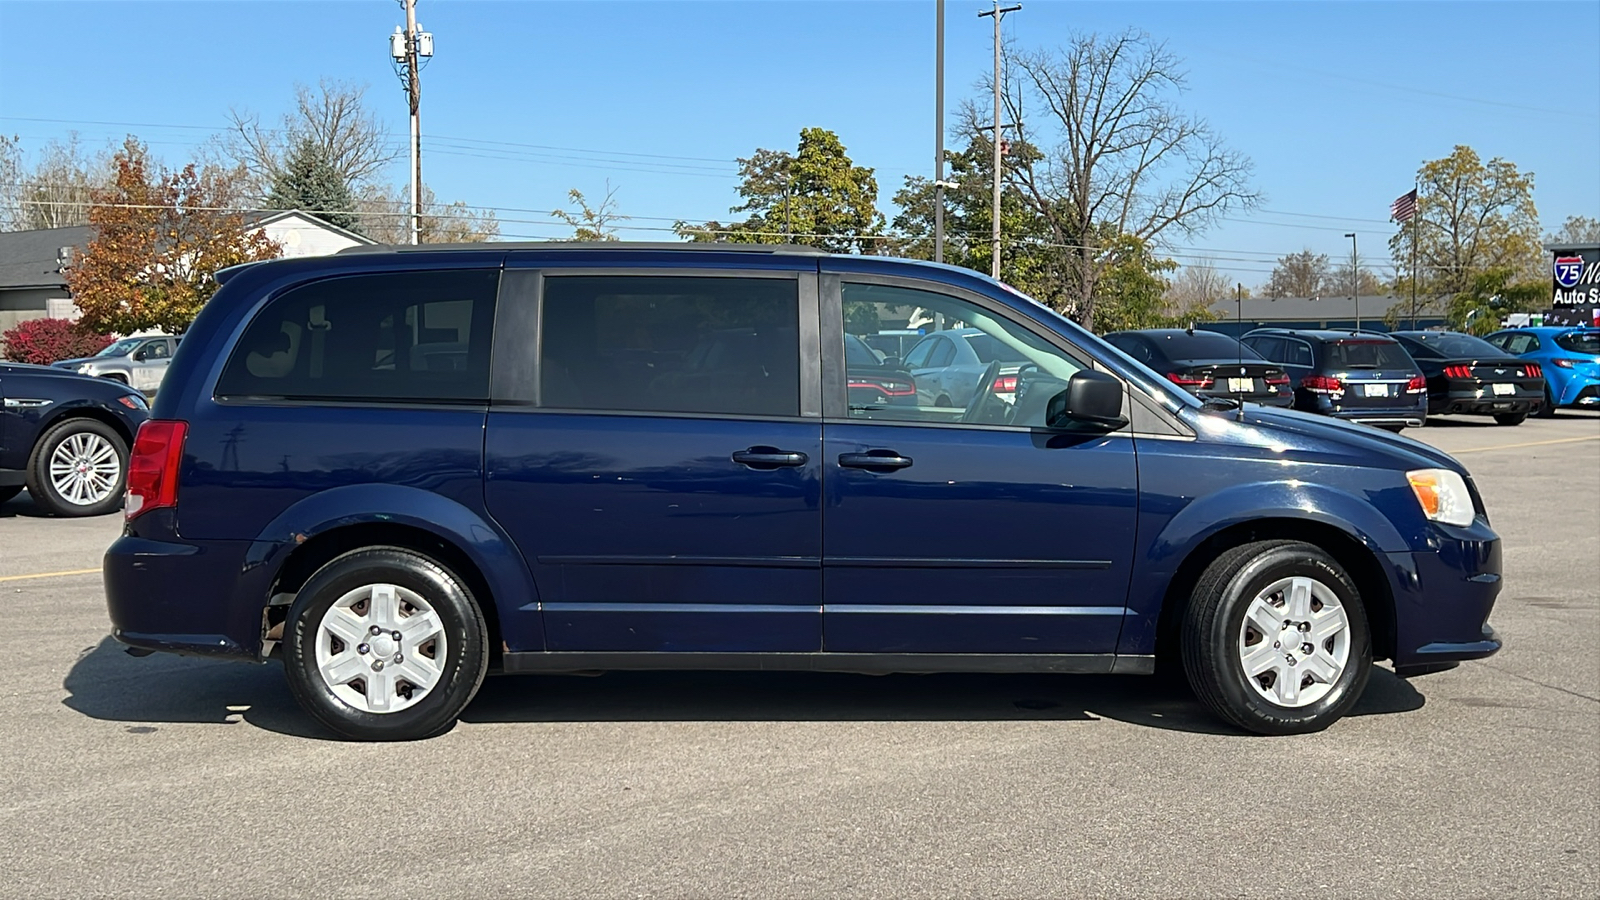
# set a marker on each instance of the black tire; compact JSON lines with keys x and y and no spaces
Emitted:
{"x":467,"y":640}
{"x":943,"y":402}
{"x":43,"y":489}
{"x":6,"y":493}
{"x":1390,"y":427}
{"x":1509,"y":418}
{"x":1215,"y":618}
{"x":1548,"y":410}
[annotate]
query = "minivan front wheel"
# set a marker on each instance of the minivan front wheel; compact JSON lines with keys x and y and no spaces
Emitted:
{"x":1275,"y":639}
{"x":385,"y":644}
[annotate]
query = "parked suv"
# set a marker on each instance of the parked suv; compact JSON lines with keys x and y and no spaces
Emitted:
{"x":139,"y":362}
{"x":1361,"y":376}
{"x":398,"y":469}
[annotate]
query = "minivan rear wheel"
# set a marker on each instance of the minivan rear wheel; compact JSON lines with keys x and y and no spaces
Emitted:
{"x":1275,"y":639}
{"x":385,"y":644}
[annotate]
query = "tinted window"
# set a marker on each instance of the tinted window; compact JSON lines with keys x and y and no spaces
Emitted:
{"x":1296,"y":352}
{"x":1366,"y":354}
{"x":1456,"y":345}
{"x":857,"y":353}
{"x":1267,"y":347}
{"x":1131,"y":345}
{"x":396,"y":336}
{"x":1021,"y":369}
{"x":1200,"y":345}
{"x":1587,"y":342}
{"x":671,"y":344}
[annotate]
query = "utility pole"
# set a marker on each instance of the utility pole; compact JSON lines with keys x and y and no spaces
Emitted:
{"x":938,"y":132}
{"x":994,"y":255}
{"x":1355,"y":279}
{"x":408,"y":49}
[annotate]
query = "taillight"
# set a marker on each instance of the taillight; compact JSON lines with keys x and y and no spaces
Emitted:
{"x":1322,"y":384}
{"x":1276,"y":378}
{"x":1005,"y":384}
{"x":153,"y":466}
{"x":1565,"y":363}
{"x":1416,"y":385}
{"x":886,"y":388}
{"x":1458,"y":371}
{"x":1532,"y":370}
{"x":1187,"y":380}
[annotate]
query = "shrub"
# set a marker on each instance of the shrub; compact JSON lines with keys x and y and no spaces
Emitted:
{"x":44,"y":341}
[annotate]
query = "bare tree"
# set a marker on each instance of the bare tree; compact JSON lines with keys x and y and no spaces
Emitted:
{"x":596,"y":223}
{"x":1197,"y":286}
{"x":1367,"y":282}
{"x":56,"y":191}
{"x":1303,"y":274}
{"x":332,"y":117}
{"x":1576,"y":230}
{"x":385,"y":216}
{"x":10,"y":184}
{"x":1109,"y":152}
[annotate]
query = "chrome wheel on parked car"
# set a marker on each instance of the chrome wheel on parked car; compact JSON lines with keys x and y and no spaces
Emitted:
{"x":1295,"y":641}
{"x":380,"y":648}
{"x":79,"y":468}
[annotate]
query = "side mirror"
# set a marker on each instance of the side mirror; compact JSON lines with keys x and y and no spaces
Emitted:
{"x":892,"y":362}
{"x":1091,"y":398}
{"x":141,"y":354}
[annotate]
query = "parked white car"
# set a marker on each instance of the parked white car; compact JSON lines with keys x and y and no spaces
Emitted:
{"x":139,"y":362}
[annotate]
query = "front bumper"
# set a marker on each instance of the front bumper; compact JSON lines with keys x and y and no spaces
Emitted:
{"x":1443,"y":596}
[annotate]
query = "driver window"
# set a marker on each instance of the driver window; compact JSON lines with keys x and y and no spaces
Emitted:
{"x":981,"y":369}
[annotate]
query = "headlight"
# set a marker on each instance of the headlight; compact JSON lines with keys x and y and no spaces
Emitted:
{"x":1443,"y":495}
{"x":133,"y":401}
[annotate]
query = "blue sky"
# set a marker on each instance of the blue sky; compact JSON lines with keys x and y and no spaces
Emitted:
{"x":1336,"y":103}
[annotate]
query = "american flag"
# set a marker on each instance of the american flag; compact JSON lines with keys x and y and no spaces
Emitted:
{"x":1404,"y":206}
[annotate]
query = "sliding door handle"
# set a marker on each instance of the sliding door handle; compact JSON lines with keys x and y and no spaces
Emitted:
{"x":874,"y":459}
{"x":768,"y":458}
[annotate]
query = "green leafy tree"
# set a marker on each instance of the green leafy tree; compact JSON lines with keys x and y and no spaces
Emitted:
{"x":1130,"y":291}
{"x":592,"y":223}
{"x":308,"y":181}
{"x":1490,"y":297}
{"x":815,"y":196}
{"x":1472,"y":217}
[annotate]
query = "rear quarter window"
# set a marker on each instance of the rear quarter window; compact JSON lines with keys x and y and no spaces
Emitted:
{"x":1586,"y":342}
{"x":390,"y":337}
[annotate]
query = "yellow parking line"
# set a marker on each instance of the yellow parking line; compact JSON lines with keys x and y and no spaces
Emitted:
{"x":49,"y":574}
{"x":1592,"y":437}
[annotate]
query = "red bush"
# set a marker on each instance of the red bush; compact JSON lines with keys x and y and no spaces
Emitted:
{"x":44,"y":341}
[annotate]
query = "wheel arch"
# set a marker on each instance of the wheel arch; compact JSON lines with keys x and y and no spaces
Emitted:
{"x":1353,"y":554}
{"x":86,"y":410}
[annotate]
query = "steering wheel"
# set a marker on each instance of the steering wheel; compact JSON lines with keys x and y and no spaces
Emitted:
{"x":986,"y":408}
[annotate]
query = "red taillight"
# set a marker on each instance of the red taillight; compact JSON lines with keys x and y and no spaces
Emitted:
{"x":1187,"y":380}
{"x":886,"y":388}
{"x":1458,"y":371}
{"x":1277,"y":378}
{"x":1005,"y":384}
{"x":1565,"y":363}
{"x":1322,"y":384}
{"x":1416,"y":385}
{"x":153,"y":466}
{"x":1532,"y":370}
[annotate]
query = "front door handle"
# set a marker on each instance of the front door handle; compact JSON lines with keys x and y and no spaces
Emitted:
{"x":874,"y":459}
{"x":768,"y":458}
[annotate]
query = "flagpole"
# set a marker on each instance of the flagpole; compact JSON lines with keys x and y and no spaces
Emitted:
{"x":1416,"y":188}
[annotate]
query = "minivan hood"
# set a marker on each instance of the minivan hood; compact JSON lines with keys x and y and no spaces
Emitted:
{"x":1301,"y":435}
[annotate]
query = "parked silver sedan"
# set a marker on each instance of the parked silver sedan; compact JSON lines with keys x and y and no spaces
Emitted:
{"x":948,"y":365}
{"x":139,"y":362}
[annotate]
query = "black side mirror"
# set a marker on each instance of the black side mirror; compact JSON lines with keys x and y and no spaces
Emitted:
{"x":140,"y":354}
{"x":1091,"y":398}
{"x":893,"y":362}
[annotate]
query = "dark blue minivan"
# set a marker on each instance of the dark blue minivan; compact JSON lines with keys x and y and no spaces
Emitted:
{"x":397,"y":470}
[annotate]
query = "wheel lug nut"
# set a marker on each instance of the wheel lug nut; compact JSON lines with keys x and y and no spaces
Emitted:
{"x":395,"y":635}
{"x":362,"y":648}
{"x":377,"y":665}
{"x":1307,"y":649}
{"x":374,"y":631}
{"x":1277,"y":645}
{"x":398,"y":659}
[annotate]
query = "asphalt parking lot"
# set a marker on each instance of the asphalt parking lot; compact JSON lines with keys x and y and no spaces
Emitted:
{"x":177,"y":777}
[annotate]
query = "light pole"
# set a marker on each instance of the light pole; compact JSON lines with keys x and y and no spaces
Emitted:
{"x":994,"y":258}
{"x":1355,"y":279}
{"x":408,"y":49}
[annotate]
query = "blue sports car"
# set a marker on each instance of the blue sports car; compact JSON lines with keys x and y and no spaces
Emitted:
{"x":1569,"y":356}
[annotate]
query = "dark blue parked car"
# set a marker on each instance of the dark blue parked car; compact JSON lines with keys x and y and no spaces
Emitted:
{"x":65,"y":437}
{"x":398,"y":469}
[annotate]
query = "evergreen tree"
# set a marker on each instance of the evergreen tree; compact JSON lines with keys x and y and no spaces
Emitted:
{"x":309,"y":182}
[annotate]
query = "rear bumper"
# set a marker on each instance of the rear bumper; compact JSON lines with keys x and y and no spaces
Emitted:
{"x":1479,"y":403}
{"x":1580,"y":392}
{"x":1411,"y":411}
{"x":1443,"y":597}
{"x":155,"y":594}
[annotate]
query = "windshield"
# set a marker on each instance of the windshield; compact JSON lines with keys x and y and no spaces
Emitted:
{"x":1457,"y":345}
{"x":1369,"y":355}
{"x":1201,"y":345}
{"x":1587,"y":342}
{"x":857,"y":353}
{"x":121,"y":348}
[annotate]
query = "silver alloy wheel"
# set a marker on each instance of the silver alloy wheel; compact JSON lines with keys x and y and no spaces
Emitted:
{"x":381,"y":648}
{"x":1294,"y":642}
{"x":85,"y":469}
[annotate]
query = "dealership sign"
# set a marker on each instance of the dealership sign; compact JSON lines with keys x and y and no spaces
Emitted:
{"x":1576,"y":274}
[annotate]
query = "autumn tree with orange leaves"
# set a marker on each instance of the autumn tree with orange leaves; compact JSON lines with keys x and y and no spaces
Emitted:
{"x":159,"y":236}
